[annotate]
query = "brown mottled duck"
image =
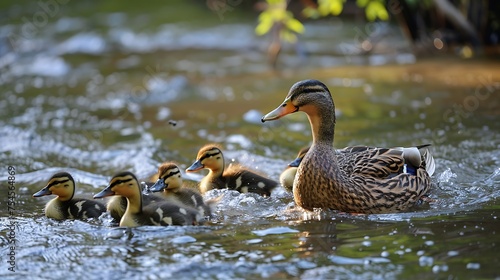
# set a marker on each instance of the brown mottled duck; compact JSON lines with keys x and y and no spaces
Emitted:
{"x":161,"y":213}
{"x":355,"y":179}
{"x":65,"y":206}
{"x":234,"y":177}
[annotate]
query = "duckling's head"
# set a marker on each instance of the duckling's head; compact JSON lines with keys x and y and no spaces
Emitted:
{"x":123,"y":183}
{"x":61,"y":184}
{"x":300,"y":156}
{"x":210,"y":157}
{"x":309,"y":96}
{"x":169,"y":177}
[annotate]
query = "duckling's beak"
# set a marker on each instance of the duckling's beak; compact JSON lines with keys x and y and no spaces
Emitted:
{"x":42,"y":192}
{"x":197,"y":165}
{"x":284,"y":109}
{"x":106,"y":192}
{"x":158,"y":186}
{"x":295,"y":162}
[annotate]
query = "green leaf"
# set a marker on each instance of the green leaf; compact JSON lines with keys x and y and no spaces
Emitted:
{"x":336,"y":7}
{"x":309,"y":12}
{"x":362,"y":3}
{"x":264,"y":26}
{"x":294,"y":25}
{"x":288,"y":36}
{"x":376,"y":9}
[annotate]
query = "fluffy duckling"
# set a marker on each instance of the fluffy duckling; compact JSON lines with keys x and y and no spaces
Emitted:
{"x":160,"y":213}
{"x":170,"y":184}
{"x":288,"y":175}
{"x":65,"y":206}
{"x":117,"y":204}
{"x":235,"y":177}
{"x":355,"y":179}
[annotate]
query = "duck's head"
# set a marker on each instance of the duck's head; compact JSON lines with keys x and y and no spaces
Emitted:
{"x":304,"y":96}
{"x":123,"y":183}
{"x":300,"y":156}
{"x":61,"y":184}
{"x":169,"y":177}
{"x":210,"y":157}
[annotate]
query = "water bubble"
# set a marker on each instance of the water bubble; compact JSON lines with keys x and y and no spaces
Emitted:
{"x":425,"y":261}
{"x":429,"y":243}
{"x":253,"y":116}
{"x":473,"y":266}
{"x":183,"y":239}
{"x":366,"y":243}
{"x":452,"y":253}
{"x":438,"y":268}
{"x":275,"y":230}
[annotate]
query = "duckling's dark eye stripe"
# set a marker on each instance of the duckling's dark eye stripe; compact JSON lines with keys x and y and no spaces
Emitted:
{"x":207,"y":155}
{"x":57,"y":183}
{"x":171,"y":174}
{"x":117,"y":182}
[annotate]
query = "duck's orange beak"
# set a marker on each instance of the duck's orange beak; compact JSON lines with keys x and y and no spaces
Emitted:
{"x":284,"y":109}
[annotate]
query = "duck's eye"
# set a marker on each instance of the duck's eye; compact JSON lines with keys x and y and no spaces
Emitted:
{"x":284,"y":105}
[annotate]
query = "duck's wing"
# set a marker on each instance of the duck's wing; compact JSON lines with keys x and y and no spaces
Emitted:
{"x":384,"y":162}
{"x":244,"y":180}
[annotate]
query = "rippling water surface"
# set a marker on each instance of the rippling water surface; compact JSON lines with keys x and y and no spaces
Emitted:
{"x":95,"y":91}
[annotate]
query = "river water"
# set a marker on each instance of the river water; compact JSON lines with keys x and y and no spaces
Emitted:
{"x":100,"y":88}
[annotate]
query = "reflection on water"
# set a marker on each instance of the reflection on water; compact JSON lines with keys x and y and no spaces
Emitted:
{"x":119,"y":91}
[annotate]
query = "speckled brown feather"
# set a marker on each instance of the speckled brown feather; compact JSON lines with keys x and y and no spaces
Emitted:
{"x":356,"y":179}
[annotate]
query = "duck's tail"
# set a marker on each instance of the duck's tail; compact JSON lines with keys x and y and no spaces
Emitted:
{"x":419,"y":156}
{"x":430,"y":165}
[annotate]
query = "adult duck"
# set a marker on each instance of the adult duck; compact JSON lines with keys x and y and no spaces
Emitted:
{"x":356,"y":179}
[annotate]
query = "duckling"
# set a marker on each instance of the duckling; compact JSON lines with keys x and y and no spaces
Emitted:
{"x":357,"y":179}
{"x":288,"y":175}
{"x":235,"y":177}
{"x":117,"y":204}
{"x":159,"y":213}
{"x":65,"y":206}
{"x":170,"y":182}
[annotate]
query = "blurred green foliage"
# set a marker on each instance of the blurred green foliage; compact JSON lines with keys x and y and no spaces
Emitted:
{"x":276,"y":15}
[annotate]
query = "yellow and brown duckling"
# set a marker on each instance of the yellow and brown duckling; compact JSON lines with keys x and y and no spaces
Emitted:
{"x":65,"y":205}
{"x":355,"y":179}
{"x":288,"y":175}
{"x":235,"y":177}
{"x":117,"y":204}
{"x":160,"y":213}
{"x":169,"y":183}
